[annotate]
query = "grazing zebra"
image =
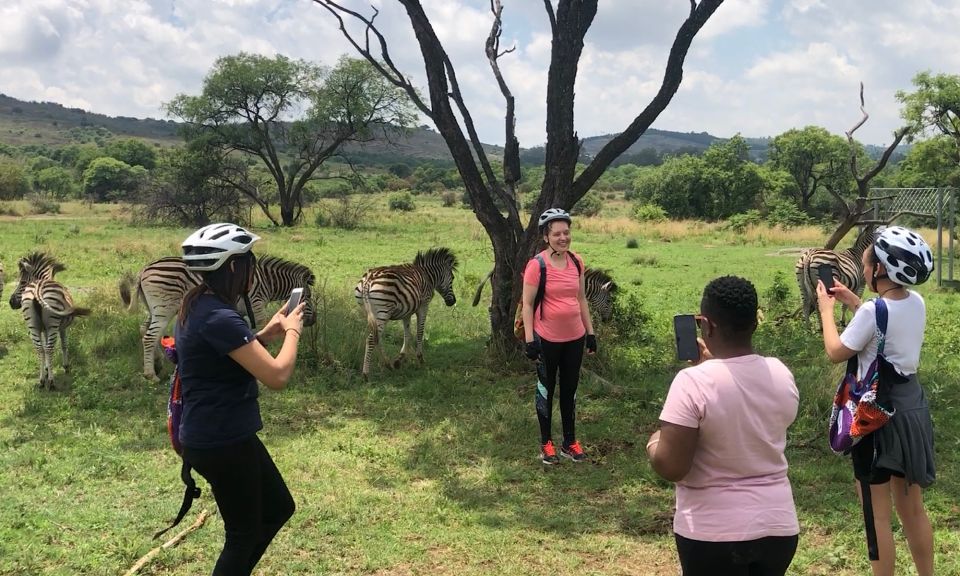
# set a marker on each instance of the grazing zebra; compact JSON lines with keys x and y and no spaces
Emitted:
{"x":847,"y":269}
{"x":162,"y":284}
{"x":36,"y":266}
{"x":599,"y":286}
{"x":48,"y":310}
{"x":397,"y":292}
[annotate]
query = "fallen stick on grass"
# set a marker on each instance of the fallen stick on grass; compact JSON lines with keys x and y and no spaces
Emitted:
{"x":169,"y":543}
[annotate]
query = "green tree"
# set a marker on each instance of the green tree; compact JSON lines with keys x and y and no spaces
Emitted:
{"x":930,"y":162}
{"x":14,"y":182}
{"x":109,"y":179}
{"x":934,"y":105}
{"x":291,"y":116}
{"x":134,"y":152}
{"x":57,"y":181}
{"x":813,"y":157}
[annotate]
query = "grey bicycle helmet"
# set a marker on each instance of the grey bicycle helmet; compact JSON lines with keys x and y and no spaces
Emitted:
{"x":551,"y":214}
{"x":209,"y":247}
{"x":905,"y":255}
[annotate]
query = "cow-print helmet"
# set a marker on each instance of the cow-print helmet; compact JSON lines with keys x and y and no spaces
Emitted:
{"x":905,"y":255}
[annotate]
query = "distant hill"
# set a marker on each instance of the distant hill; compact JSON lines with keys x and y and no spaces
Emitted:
{"x":23,"y":123}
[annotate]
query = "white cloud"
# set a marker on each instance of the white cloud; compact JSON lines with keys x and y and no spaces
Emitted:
{"x":127,"y":57}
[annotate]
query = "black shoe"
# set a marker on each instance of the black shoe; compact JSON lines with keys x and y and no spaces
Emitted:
{"x":573,"y":452}
{"x":548,"y":454}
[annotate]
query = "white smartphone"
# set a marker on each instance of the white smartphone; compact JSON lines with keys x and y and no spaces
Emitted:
{"x":294,"y":300}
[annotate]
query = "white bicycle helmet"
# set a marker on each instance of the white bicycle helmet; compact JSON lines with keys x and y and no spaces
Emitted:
{"x":551,"y":214}
{"x":905,"y":255}
{"x":209,"y":247}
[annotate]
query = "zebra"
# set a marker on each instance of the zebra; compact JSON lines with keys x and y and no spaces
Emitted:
{"x":162,"y":284}
{"x":48,"y":309}
{"x":35,"y":266}
{"x":599,"y":287}
{"x":847,"y":269}
{"x":400,"y":291}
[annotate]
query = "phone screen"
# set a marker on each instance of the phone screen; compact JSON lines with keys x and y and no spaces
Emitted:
{"x":685,"y":329}
{"x":294,"y":300}
{"x":826,"y":276}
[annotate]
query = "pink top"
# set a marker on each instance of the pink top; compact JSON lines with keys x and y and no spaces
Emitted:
{"x":737,"y":488}
{"x":561,"y":320}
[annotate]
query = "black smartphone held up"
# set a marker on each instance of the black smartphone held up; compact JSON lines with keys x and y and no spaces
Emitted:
{"x":294,"y":300}
{"x":826,"y":276}
{"x":685,"y":329}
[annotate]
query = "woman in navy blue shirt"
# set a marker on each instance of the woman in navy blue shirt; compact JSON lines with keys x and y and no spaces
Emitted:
{"x":220,"y":361}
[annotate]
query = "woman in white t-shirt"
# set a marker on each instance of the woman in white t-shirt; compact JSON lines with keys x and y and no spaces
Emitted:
{"x":723,"y":430}
{"x":896,"y":461}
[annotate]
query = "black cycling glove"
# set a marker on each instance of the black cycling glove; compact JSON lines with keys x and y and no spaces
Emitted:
{"x":533,"y":350}
{"x":591,"y":343}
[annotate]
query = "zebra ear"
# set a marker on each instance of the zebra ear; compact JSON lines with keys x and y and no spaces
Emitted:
{"x":608,"y":286}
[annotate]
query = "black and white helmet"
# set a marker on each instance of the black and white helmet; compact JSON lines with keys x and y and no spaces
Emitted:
{"x":905,"y":255}
{"x":551,"y":214}
{"x":209,"y":247}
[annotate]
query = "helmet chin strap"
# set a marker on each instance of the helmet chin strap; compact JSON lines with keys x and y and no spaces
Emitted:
{"x":252,"y":316}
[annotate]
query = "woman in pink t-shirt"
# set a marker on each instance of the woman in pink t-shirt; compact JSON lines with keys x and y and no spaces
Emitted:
{"x":557,"y":327}
{"x":723,"y":430}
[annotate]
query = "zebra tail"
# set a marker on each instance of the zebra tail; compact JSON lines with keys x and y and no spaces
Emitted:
{"x":371,"y":319}
{"x":81,"y":312}
{"x":126,"y":294}
{"x":476,"y":297}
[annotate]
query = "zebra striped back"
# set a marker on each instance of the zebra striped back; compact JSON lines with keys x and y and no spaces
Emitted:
{"x":600,"y":289}
{"x":847,"y":269}
{"x":48,"y":310}
{"x":162,"y":284}
{"x":400,"y":291}
{"x":35,"y":266}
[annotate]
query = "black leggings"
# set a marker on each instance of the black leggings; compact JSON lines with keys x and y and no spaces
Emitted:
{"x":252,"y":497}
{"x":770,"y":556}
{"x":566,"y":358}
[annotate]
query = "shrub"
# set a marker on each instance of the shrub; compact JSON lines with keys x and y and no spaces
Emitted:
{"x":649,"y":213}
{"x":43,"y":204}
{"x":589,"y":205}
{"x":632,"y":243}
{"x":630,"y":320}
{"x":449,"y":199}
{"x":786,"y":214}
{"x":778,"y":292}
{"x":346,"y":213}
{"x":740,"y":222}
{"x":402,"y":202}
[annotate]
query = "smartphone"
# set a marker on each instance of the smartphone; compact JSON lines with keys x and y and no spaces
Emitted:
{"x":826,"y":276}
{"x":685,"y":329}
{"x":294,"y":300}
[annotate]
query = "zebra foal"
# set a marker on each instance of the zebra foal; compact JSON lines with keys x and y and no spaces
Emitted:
{"x":400,"y":291}
{"x":162,"y":284}
{"x":48,"y":310}
{"x":35,"y":266}
{"x":847,"y":269}
{"x":597,"y":284}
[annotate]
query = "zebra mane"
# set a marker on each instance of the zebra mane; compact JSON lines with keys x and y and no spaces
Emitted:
{"x":298,"y":269}
{"x":41,"y":258}
{"x":441,"y":256}
{"x":864,"y":239}
{"x":601,"y":277}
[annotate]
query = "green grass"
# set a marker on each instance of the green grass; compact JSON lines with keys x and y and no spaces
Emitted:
{"x":426,"y":469}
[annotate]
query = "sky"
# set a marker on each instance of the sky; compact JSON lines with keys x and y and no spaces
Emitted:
{"x":757,"y":68}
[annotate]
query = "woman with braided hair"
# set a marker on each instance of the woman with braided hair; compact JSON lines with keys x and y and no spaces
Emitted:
{"x":723,"y":430}
{"x":895,"y":463}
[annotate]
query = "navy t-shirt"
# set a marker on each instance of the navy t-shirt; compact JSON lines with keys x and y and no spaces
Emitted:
{"x":219,"y":396}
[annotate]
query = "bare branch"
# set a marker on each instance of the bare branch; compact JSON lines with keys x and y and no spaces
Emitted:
{"x":551,"y":15}
{"x":390,"y":72}
{"x":862,"y":120}
{"x":511,"y":156}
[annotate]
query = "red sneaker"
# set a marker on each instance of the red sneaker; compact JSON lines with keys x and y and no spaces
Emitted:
{"x":548,"y":454}
{"x":573,"y":452}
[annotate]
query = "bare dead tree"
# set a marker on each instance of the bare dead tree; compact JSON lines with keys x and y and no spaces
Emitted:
{"x":493,"y":200}
{"x":853,"y":212}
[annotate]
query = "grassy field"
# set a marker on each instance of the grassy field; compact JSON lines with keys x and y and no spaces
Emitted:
{"x":427,"y":469}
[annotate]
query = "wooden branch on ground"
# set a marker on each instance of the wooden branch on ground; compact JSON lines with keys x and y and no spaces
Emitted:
{"x":169,"y":543}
